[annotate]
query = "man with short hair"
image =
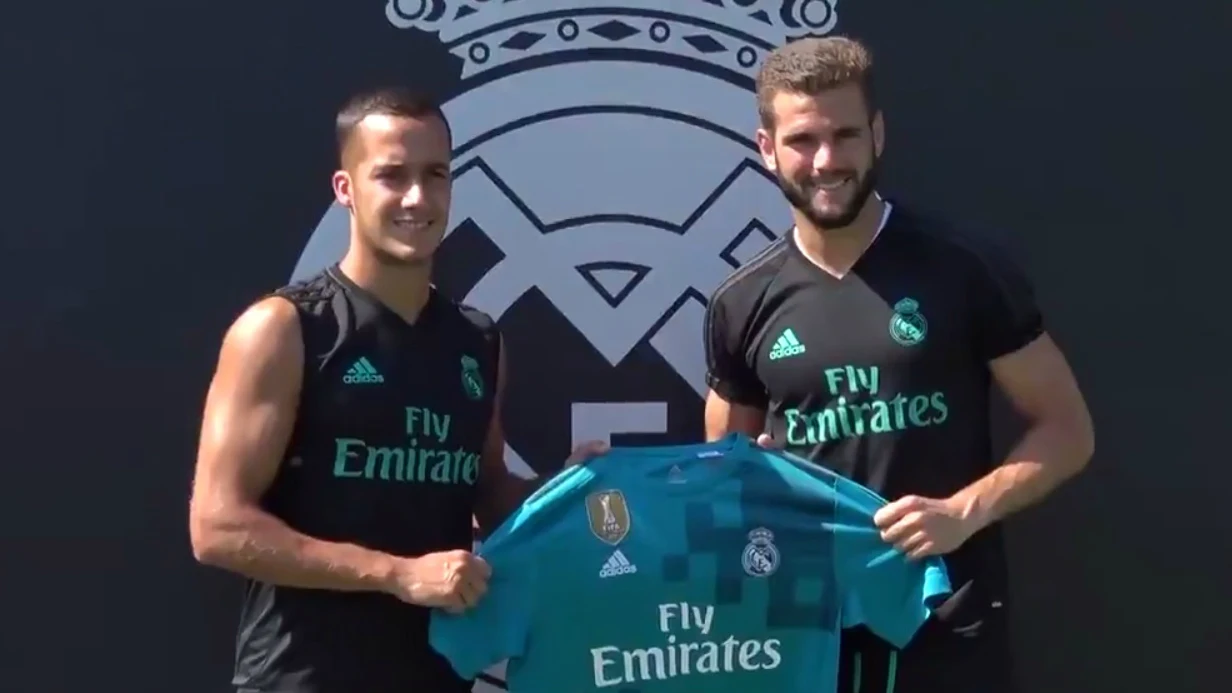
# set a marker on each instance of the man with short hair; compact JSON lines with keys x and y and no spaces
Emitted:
{"x":351,"y":431}
{"x":867,"y":339}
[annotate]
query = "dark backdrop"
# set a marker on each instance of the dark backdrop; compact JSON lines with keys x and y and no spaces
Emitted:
{"x":166,"y":161}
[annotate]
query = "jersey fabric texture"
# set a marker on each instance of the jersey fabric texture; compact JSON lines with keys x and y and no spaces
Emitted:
{"x":385,"y":454}
{"x":717,"y":567}
{"x":883,"y":376}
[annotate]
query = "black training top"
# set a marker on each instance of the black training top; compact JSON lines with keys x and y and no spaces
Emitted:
{"x":385,"y":454}
{"x":881,"y":375}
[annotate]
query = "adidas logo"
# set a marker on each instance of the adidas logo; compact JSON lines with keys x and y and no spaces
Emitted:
{"x":786,"y":345}
{"x":676,"y":475}
{"x":617,"y":564}
{"x":362,"y":372}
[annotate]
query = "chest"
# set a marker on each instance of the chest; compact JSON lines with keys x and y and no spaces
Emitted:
{"x":429,"y":396}
{"x":856,"y":338}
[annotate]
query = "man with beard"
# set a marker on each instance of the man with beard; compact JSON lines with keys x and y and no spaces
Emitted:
{"x":867,"y":339}
{"x":352,"y":429}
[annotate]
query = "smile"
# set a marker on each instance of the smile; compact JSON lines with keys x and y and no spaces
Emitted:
{"x":414,"y":224}
{"x":834,"y":184}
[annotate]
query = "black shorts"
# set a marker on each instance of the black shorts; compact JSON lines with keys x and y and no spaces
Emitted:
{"x":937,"y":660}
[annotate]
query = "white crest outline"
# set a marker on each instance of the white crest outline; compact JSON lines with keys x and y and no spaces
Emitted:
{"x":727,"y":32}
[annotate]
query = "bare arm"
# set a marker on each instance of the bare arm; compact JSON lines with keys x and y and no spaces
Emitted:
{"x":249,"y":415}
{"x":724,"y":417}
{"x":1059,"y":441}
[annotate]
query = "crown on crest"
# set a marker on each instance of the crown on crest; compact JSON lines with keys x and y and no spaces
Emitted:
{"x":761,"y":535}
{"x":732,"y":34}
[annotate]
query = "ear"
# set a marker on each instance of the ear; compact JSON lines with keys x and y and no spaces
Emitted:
{"x":341,"y":183}
{"x":765,"y":144}
{"x":878,"y":134}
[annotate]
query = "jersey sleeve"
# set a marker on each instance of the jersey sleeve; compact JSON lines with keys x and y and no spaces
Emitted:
{"x":499,"y":626}
{"x":728,"y":372}
{"x":1007,"y":315}
{"x":494,"y":630}
{"x":882,"y":589}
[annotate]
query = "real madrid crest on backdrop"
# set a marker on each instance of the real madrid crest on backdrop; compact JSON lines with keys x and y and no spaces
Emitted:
{"x":606,"y":181}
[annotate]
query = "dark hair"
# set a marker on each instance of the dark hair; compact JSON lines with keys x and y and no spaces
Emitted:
{"x":394,"y":101}
{"x":811,"y":66}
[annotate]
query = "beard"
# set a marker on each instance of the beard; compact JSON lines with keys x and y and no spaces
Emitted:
{"x":800,"y":195}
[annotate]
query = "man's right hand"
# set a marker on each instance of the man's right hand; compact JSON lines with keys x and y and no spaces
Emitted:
{"x":450,"y":580}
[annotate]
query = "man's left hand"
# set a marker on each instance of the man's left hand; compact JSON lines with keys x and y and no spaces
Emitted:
{"x":586,"y":451}
{"x":922,"y":527}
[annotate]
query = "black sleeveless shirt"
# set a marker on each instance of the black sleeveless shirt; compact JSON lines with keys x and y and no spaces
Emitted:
{"x":385,"y":454}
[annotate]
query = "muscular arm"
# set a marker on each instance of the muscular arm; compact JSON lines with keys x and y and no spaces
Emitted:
{"x":249,"y":415}
{"x":1059,"y":441}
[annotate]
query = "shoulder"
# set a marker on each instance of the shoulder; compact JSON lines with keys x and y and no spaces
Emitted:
{"x":271,"y":322}
{"x":309,"y":293}
{"x":264,"y":339}
{"x":982,"y":254}
{"x":749,"y":283}
{"x":478,"y":320}
{"x":472,"y":328}
{"x":466,"y":317}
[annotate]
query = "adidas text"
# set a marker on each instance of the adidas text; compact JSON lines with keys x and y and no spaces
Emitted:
{"x":616,"y":565}
{"x":613,"y":571}
{"x":362,"y":372}
{"x":786,"y":351}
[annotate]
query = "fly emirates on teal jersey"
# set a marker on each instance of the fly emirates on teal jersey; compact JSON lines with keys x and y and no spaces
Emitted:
{"x":719,"y":567}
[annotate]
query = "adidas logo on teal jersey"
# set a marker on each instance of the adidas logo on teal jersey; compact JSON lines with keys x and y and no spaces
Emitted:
{"x":786,"y":345}
{"x":617,"y":564}
{"x":362,"y":372}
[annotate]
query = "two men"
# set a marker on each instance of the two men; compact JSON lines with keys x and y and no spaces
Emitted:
{"x":351,"y":431}
{"x":353,"y":425}
{"x":867,"y":339}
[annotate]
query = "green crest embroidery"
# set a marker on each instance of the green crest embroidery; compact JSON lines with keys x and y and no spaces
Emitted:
{"x":908,"y":326}
{"x":472,"y":379}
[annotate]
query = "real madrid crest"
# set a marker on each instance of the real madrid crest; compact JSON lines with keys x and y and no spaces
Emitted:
{"x":609,"y":516}
{"x":760,"y":557}
{"x":908,"y":325}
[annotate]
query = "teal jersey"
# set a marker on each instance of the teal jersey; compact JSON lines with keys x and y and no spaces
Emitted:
{"x":716,"y":567}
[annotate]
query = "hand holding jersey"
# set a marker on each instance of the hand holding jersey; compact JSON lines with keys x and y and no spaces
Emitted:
{"x":451,"y":580}
{"x":587,"y":451}
{"x":456,"y":580}
{"x":922,"y":527}
{"x":915,"y":525}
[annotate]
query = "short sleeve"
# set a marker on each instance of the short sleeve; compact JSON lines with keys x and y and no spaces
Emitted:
{"x":728,"y":372}
{"x":1007,"y":315}
{"x":883,"y":590}
{"x":496,"y":629}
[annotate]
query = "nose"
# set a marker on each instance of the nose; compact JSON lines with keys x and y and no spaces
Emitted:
{"x":414,"y":196}
{"x":824,"y":158}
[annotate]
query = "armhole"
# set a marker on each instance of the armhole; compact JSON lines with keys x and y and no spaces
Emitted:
{"x":310,"y":334}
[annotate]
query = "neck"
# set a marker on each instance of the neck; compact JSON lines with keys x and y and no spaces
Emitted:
{"x":837,"y":250}
{"x":404,"y":289}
